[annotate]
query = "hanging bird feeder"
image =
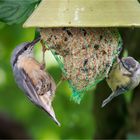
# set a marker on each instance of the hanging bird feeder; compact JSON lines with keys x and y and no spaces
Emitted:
{"x":80,"y":35}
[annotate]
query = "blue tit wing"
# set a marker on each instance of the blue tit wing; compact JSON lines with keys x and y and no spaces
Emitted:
{"x":116,"y":93}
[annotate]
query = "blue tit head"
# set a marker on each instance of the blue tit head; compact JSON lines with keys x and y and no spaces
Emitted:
{"x":24,"y":49}
{"x":130,"y":64}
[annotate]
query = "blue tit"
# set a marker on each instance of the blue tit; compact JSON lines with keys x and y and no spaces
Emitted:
{"x":123,"y":76}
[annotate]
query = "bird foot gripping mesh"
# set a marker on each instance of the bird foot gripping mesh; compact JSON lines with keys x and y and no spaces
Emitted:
{"x":85,"y":55}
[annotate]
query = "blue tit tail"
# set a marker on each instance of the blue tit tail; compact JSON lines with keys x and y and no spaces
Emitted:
{"x":116,"y":93}
{"x":108,"y":99}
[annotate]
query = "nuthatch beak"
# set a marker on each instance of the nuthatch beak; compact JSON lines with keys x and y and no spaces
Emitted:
{"x":38,"y":85}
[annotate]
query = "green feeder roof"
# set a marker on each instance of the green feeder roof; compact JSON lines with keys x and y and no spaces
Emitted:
{"x":85,"y":13}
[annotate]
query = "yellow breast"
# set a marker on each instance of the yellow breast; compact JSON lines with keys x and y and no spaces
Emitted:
{"x":116,"y":78}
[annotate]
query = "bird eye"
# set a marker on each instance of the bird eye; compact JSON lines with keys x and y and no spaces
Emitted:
{"x":25,"y":48}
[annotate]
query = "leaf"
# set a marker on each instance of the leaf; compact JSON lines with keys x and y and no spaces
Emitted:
{"x":16,"y":11}
{"x":37,"y":33}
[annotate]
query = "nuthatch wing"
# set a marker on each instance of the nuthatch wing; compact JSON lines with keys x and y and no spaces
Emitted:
{"x":124,"y":76}
{"x":38,"y":85}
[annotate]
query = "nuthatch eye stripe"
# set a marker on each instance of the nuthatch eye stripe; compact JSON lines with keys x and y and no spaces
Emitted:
{"x":27,"y":45}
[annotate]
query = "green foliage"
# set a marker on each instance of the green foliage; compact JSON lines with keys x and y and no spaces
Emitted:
{"x":16,"y":11}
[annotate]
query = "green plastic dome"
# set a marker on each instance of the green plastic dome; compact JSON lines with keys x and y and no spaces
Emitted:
{"x":85,"y":13}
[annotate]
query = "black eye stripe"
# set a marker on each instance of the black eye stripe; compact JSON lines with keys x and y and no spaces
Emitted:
{"x":20,"y":52}
{"x":26,"y":47}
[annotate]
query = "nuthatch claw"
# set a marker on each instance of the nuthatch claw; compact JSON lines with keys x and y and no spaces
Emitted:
{"x":38,"y":85}
{"x":124,"y":76}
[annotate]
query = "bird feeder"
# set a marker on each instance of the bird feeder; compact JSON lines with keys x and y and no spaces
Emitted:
{"x":82,"y":36}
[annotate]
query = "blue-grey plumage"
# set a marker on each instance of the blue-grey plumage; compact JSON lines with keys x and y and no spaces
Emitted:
{"x":38,"y":85}
{"x":123,"y":76}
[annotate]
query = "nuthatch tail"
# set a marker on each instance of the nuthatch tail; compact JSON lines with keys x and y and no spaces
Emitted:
{"x":124,"y":76}
{"x":38,"y":85}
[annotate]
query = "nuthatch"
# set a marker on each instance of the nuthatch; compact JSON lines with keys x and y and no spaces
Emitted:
{"x":124,"y":76}
{"x":38,"y":85}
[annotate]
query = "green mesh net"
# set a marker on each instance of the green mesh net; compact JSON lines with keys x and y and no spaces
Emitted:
{"x":85,"y":55}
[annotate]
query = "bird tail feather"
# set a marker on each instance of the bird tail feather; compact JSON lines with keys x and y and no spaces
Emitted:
{"x":108,"y":99}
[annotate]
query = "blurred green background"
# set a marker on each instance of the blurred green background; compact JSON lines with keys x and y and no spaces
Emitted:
{"x":76,"y":120}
